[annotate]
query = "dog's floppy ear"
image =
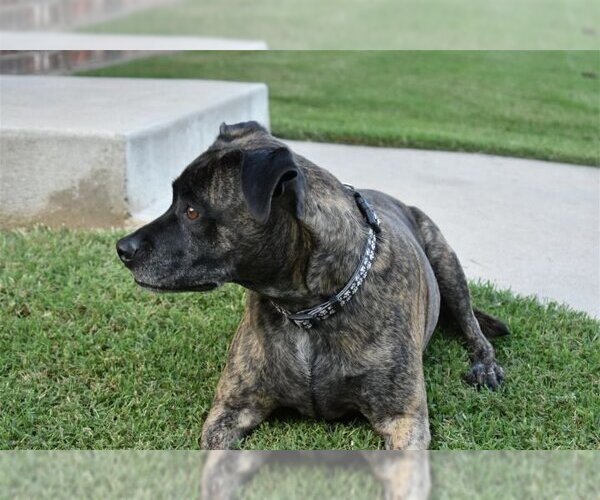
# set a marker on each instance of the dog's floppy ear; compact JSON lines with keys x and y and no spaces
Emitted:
{"x":267,"y":174}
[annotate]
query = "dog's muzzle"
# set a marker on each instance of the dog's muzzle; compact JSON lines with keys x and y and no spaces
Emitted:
{"x":130,"y":247}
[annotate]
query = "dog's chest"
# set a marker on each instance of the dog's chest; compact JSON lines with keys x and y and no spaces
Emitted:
{"x":291,"y":370}
{"x":310,"y":378}
{"x":304,"y":352}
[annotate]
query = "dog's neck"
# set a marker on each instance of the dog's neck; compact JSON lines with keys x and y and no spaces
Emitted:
{"x":340,"y":236}
{"x":329,"y":244}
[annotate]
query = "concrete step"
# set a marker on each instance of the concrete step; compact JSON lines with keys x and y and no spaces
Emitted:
{"x":48,"y":40}
{"x":46,"y":62}
{"x":93,"y":151}
{"x":51,"y":52}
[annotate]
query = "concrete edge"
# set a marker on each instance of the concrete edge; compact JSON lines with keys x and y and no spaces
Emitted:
{"x":251,"y":87}
{"x":59,"y":41}
{"x":245,"y":89}
{"x":8,"y":131}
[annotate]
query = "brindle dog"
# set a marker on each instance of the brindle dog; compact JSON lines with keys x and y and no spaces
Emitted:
{"x":252,"y":212}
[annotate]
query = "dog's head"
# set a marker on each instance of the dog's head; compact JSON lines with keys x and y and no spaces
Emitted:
{"x":232,"y":208}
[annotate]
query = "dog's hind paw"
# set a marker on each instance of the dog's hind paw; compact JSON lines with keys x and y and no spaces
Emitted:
{"x":489,"y":375}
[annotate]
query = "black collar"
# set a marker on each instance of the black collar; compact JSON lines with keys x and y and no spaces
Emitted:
{"x":308,"y":317}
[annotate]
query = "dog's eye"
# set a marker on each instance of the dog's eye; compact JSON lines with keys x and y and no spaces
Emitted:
{"x":191,"y":213}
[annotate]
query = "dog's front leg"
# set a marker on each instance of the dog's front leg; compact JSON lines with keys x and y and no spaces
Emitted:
{"x":227,"y":423}
{"x":225,"y":472}
{"x":242,"y":401}
{"x":408,"y":428}
{"x":405,"y":432}
{"x":404,"y":475}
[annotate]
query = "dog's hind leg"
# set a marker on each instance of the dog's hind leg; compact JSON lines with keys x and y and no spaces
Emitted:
{"x":456,"y":299}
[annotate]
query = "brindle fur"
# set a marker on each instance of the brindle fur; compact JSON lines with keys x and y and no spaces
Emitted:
{"x":299,"y":249}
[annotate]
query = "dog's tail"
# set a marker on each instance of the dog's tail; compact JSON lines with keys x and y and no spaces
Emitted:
{"x":490,"y":326}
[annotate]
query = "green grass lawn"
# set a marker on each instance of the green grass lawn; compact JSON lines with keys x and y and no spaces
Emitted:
{"x":542,"y":105}
{"x":477,"y":475}
{"x":89,"y":360}
{"x":376,"y":24}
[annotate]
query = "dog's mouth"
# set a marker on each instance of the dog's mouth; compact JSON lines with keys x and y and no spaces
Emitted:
{"x":202,"y":287}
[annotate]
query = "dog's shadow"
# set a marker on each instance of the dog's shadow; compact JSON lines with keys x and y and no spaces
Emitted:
{"x":285,"y":417}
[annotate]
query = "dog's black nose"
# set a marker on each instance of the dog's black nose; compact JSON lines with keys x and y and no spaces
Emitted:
{"x":128,"y":247}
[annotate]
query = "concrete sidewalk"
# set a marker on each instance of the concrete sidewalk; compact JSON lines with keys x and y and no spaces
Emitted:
{"x":528,"y":225}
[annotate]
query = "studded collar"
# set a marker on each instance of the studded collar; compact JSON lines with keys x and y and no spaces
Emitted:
{"x":307,"y":318}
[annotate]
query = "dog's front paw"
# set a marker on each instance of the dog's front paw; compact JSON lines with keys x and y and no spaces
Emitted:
{"x":489,"y":375}
{"x":218,"y":439}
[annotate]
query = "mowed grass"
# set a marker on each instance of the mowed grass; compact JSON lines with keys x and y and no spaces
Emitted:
{"x":480,"y":475}
{"x":89,"y":360}
{"x":543,"y":105}
{"x":376,"y":24}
